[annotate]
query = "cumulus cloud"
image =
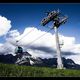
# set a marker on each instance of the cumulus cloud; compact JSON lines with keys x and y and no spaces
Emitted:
{"x":41,"y":45}
{"x":7,"y":48}
{"x":44,"y":47}
{"x":38,"y":53}
{"x":13,"y":33}
{"x":47,"y":41}
{"x":29,"y":40}
{"x":5,"y":25}
{"x":75,"y":58}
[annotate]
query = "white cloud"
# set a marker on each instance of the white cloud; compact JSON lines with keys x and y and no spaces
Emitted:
{"x":7,"y":48}
{"x":5,"y":25}
{"x":13,"y":33}
{"x":39,"y":53}
{"x":48,"y":40}
{"x":38,"y":47}
{"x":76,"y":49}
{"x":34,"y":35}
{"x":75,"y":58}
{"x":69,"y":43}
{"x":1,"y":44}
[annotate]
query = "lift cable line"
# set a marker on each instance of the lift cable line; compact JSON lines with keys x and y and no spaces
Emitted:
{"x":22,"y":36}
{"x":25,"y":35}
{"x":38,"y":37}
{"x":29,"y":33}
{"x":17,"y":41}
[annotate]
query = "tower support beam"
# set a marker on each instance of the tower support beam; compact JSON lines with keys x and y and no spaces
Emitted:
{"x":59,"y":59}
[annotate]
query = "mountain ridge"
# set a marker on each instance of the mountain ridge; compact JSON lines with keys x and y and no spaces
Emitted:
{"x":50,"y":62}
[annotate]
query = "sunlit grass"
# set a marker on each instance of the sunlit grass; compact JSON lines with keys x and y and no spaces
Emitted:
{"x":12,"y":70}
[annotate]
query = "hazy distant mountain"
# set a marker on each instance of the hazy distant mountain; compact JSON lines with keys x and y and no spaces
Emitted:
{"x":9,"y":58}
{"x":51,"y":62}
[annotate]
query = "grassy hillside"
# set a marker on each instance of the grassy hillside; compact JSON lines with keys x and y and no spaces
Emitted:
{"x":28,"y":71}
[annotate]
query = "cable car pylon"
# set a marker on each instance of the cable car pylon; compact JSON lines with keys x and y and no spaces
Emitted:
{"x":57,"y":22}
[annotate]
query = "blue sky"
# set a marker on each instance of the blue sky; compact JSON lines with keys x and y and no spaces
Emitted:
{"x":30,"y":14}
